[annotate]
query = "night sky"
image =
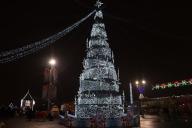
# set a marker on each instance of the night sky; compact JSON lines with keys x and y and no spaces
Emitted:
{"x":149,"y":41}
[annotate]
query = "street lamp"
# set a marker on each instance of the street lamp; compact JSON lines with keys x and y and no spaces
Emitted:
{"x":52,"y":63}
{"x":137,"y":83}
{"x":143,"y":82}
{"x":141,"y":87}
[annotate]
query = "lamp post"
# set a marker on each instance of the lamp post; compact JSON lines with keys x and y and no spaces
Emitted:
{"x":141,"y":88}
{"x":52,"y":63}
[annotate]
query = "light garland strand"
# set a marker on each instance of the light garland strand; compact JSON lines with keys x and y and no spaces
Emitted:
{"x":175,"y":84}
{"x":18,"y":53}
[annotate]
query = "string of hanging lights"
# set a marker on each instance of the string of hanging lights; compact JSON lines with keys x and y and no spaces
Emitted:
{"x":15,"y":54}
{"x":174,"y":84}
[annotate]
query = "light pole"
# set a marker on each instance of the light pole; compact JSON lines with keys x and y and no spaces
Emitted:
{"x":141,"y":88}
{"x":52,"y":63}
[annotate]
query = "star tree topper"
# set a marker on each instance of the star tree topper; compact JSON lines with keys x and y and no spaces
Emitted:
{"x":98,"y":4}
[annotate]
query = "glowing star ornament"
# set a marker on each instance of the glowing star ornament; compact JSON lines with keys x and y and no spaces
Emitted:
{"x":98,"y":4}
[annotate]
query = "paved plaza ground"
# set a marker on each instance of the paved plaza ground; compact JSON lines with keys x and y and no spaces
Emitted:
{"x":156,"y":122}
{"x":23,"y":123}
{"x":147,"y":122}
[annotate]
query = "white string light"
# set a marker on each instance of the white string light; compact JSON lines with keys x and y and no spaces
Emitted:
{"x":99,"y":83}
{"x":18,"y":53}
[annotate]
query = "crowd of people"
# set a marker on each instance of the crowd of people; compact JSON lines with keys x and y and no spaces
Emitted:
{"x":7,"y":112}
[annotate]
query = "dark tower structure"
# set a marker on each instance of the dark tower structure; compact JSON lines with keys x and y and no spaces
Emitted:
{"x":49,"y":90}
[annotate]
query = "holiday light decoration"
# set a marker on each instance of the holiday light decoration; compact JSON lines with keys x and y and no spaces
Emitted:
{"x":141,"y":89}
{"x":11,"y":55}
{"x":27,"y":101}
{"x":99,"y":83}
{"x":174,"y":84}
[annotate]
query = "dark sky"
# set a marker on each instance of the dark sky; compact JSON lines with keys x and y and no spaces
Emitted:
{"x":149,"y":41}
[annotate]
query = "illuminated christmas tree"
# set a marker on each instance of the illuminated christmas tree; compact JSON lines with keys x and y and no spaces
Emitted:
{"x":99,"y":83}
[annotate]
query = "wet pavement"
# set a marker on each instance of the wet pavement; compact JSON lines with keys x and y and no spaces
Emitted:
{"x":150,"y":122}
{"x":23,"y":123}
{"x":156,"y":122}
{"x":147,"y":122}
